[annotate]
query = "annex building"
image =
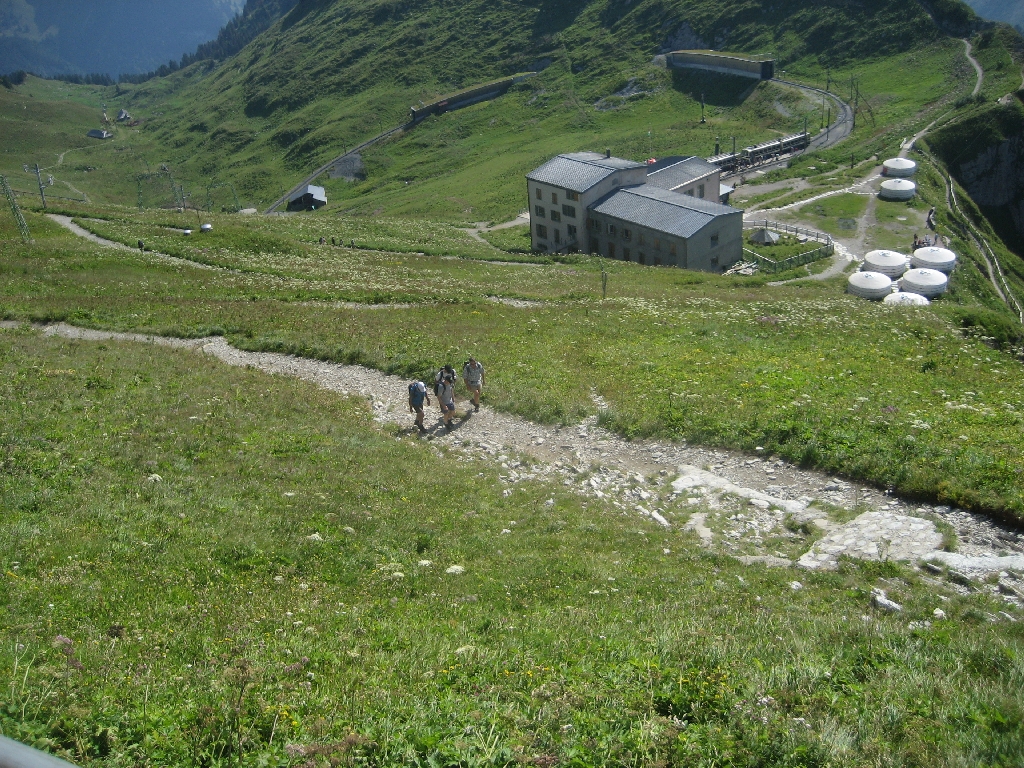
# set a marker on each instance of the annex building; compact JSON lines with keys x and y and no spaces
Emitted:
{"x":665,"y":213}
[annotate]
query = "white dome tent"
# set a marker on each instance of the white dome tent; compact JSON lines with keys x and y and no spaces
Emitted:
{"x":899,"y":167}
{"x":933,"y":257}
{"x":897,"y":189}
{"x":889,"y":263}
{"x":927,"y":282}
{"x":869,"y":285}
{"x":906,"y":299}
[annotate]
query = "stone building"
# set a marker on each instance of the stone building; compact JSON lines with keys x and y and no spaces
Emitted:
{"x":616,"y":208}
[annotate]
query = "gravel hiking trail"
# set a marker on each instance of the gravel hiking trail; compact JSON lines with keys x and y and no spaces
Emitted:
{"x":731,"y":501}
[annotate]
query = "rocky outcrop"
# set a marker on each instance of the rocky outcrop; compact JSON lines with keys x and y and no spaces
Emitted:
{"x":995,"y":176}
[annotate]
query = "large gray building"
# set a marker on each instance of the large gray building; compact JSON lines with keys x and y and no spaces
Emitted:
{"x":605,"y":205}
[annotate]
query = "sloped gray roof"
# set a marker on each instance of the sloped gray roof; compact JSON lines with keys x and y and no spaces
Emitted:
{"x":318,"y":193}
{"x":579,"y":171}
{"x":661,"y":210}
{"x":679,"y":173}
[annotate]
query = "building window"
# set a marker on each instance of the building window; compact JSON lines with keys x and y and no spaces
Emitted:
{"x":570,"y":195}
{"x":538,"y":211}
{"x":714,"y":240}
{"x":594,"y":225}
{"x":555,"y":215}
{"x":657,"y":244}
{"x":554,"y":198}
{"x":627,"y":234}
{"x":689,"y":192}
{"x":611,"y":250}
{"x":672,"y":248}
{"x":558,"y":236}
{"x":569,"y":211}
{"x":625,"y":254}
{"x":700,"y":191}
{"x":540,"y":195}
{"x":640,"y":238}
{"x":542,"y":231}
{"x":571,"y":232}
{"x":611,"y":230}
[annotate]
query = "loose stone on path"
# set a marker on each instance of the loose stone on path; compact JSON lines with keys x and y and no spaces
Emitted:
{"x":875,"y":536}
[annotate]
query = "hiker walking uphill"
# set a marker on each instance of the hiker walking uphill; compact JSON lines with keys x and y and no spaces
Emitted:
{"x":444,"y":388}
{"x":417,"y":394}
{"x":473,"y":378}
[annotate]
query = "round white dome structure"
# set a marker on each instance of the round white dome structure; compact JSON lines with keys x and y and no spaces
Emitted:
{"x":888,"y":263}
{"x":927,"y":282}
{"x":933,"y":257}
{"x":897,"y":189}
{"x":869,"y":285}
{"x":905,"y":299}
{"x":899,"y":167}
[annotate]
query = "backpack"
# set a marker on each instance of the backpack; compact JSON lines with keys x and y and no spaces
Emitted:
{"x":417,"y":392}
{"x":438,"y":378}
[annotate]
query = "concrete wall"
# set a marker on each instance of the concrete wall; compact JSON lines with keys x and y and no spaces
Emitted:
{"x":717,"y":62}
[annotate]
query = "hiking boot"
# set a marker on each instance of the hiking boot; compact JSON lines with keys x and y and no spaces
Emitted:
{"x":476,"y":408}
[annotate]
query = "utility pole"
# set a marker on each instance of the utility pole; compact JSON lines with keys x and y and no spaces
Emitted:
{"x":856,"y":99}
{"x":851,"y":87}
{"x":702,"y":107}
{"x":828,"y":123}
{"x":828,"y":79}
{"x":39,"y":179}
{"x":734,"y":145}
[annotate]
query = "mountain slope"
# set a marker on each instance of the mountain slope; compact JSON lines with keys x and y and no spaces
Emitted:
{"x":1010,"y":11}
{"x":331,"y":72}
{"x":107,"y":36}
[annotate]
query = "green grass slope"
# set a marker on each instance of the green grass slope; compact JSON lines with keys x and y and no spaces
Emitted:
{"x":331,"y":74}
{"x":900,"y":399}
{"x":167,"y":602}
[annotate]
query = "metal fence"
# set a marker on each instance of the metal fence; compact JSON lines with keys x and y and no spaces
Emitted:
{"x":772,"y":267}
{"x":789,"y":229}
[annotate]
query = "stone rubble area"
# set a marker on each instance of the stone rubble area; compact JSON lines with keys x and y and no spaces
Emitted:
{"x":736,"y":502}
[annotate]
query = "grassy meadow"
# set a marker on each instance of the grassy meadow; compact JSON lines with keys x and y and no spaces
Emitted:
{"x":214,"y":567}
{"x":211,"y":566}
{"x":900,"y":399}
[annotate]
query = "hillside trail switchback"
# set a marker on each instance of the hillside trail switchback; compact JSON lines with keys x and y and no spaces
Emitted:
{"x":730,"y":501}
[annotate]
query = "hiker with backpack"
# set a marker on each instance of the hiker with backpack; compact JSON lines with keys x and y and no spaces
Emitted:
{"x":473,"y":378}
{"x":417,"y":394}
{"x":444,"y":388}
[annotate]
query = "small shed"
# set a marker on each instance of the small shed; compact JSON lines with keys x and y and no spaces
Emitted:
{"x":308,"y":198}
{"x":764,"y":237}
{"x":122,"y":116}
{"x":96,"y":133}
